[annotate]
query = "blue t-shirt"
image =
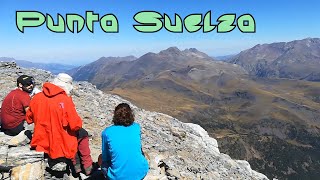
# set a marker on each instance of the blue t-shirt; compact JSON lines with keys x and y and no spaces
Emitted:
{"x":122,"y":156}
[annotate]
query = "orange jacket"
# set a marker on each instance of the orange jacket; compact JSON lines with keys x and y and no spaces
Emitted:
{"x":56,"y":122}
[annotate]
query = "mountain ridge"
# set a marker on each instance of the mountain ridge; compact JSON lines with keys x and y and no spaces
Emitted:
{"x":296,"y":59}
{"x":153,"y":64}
{"x":184,"y":149}
{"x":55,"y":68}
{"x":258,"y":115}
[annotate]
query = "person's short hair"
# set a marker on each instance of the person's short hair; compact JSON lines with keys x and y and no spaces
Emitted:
{"x":123,"y":115}
{"x":25,"y":80}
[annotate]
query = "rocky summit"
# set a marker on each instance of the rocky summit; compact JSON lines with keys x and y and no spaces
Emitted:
{"x":176,"y":150}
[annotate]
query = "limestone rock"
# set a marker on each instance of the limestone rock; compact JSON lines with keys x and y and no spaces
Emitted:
{"x":29,"y":171}
{"x":19,"y":140}
{"x":23,"y":155}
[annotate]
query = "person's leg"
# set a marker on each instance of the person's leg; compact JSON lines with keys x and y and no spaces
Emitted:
{"x":56,"y":168}
{"x":14,"y":131}
{"x":84,"y":153}
{"x":76,"y":163}
{"x":83,"y":156}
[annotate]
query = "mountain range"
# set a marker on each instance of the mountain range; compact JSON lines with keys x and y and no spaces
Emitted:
{"x":299,"y":59}
{"x":224,"y":58}
{"x":261,"y":105}
{"x":116,"y":72}
{"x":55,"y":68}
{"x":175,"y":150}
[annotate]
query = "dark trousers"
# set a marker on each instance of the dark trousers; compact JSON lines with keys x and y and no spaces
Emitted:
{"x":14,"y":131}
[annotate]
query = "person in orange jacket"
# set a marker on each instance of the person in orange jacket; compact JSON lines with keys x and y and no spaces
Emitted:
{"x":57,"y":126}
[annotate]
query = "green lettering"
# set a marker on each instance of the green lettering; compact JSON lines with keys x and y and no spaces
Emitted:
{"x":91,"y":18}
{"x":59,"y":28}
{"x":29,"y":19}
{"x":192,"y":22}
{"x":226,"y":23}
{"x":75,"y":18}
{"x":207,"y":26}
{"x":150,"y":21}
{"x":109,"y":23}
{"x":173,"y":28}
{"x":246,"y":23}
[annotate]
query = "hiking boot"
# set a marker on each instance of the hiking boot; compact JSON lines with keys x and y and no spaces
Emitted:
{"x":77,"y":168}
{"x":88,"y":170}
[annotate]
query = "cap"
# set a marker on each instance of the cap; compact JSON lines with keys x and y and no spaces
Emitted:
{"x":25,"y":80}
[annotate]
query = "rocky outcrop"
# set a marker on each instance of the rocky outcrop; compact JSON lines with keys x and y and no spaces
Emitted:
{"x":8,"y":65}
{"x":175,"y":150}
{"x":16,"y":155}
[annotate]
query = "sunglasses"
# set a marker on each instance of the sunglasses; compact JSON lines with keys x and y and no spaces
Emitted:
{"x":29,"y":83}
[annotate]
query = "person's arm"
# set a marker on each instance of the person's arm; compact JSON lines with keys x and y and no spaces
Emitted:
{"x":73,"y":119}
{"x":106,"y":157}
{"x":146,"y":155}
{"x":29,"y":115}
{"x":25,"y":102}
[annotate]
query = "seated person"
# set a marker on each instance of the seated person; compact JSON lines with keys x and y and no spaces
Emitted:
{"x":122,"y":156}
{"x":57,"y":126}
{"x":15,"y":105}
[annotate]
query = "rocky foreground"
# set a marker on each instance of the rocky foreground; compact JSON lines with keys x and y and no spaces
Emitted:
{"x":177,"y":150}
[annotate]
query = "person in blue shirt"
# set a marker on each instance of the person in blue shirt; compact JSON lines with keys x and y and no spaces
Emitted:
{"x":122,"y":155}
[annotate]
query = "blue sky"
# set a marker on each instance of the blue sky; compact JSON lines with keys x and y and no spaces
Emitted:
{"x":276,"y":21}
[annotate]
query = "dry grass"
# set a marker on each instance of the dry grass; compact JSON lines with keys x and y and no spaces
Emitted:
{"x":296,"y":143}
{"x":170,"y":101}
{"x":157,"y":100}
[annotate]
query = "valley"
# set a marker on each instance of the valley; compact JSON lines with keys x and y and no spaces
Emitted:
{"x":271,"y":121}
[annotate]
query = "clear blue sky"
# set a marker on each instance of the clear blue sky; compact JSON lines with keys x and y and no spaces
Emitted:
{"x":276,"y":21}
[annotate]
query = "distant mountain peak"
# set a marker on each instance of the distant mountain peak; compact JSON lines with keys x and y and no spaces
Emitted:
{"x":196,"y":52}
{"x":173,"y":48}
{"x":311,"y":39}
{"x":192,"y":50}
{"x":294,"y":60}
{"x":189,"y":52}
{"x":171,"y":51}
{"x":7,"y":59}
